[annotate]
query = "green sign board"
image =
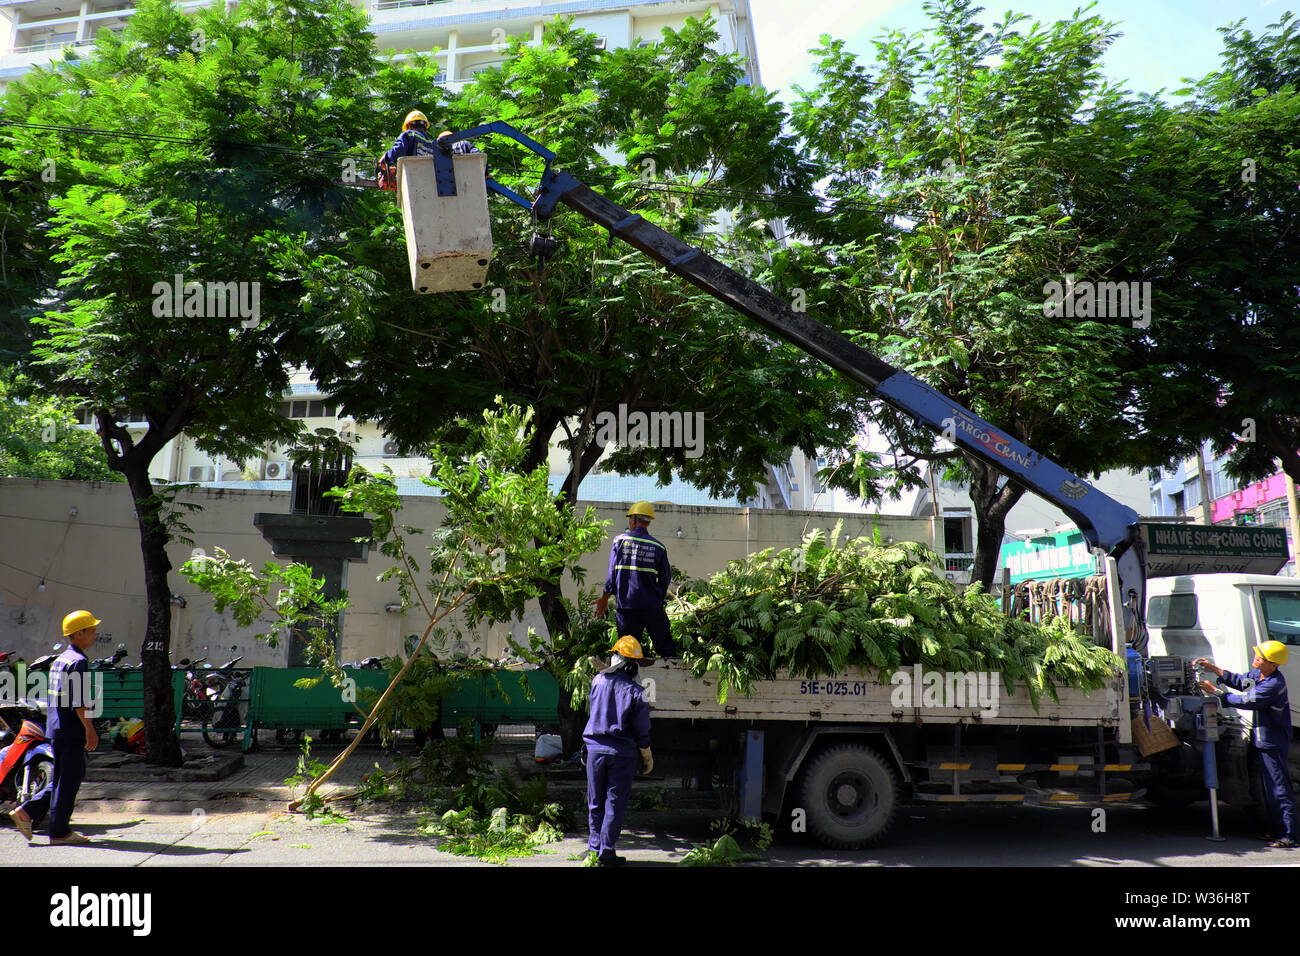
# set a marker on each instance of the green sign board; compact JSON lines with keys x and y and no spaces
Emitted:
{"x":1204,"y":549}
{"x":1171,"y":549}
{"x":1062,"y":555}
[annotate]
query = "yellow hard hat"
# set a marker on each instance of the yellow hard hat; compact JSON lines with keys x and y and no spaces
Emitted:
{"x":642,"y":508}
{"x":78,"y":621}
{"x":1274,"y":651}
{"x":629,"y":647}
{"x":415,"y":116}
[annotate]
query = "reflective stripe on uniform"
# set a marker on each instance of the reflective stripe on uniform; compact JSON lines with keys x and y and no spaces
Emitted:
{"x":631,"y":537}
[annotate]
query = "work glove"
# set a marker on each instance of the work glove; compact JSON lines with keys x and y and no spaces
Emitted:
{"x":647,"y":761}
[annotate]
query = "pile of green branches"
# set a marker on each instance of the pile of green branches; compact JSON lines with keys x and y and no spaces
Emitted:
{"x":823,"y":608}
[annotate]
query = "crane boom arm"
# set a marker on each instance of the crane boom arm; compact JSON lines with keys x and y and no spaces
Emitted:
{"x":1105,"y":522}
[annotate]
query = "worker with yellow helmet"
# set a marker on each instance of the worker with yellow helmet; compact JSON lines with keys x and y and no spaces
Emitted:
{"x":617,"y":733}
{"x":1263,"y":691}
{"x":69,"y":731}
{"x":415,"y":140}
{"x":639,"y":575}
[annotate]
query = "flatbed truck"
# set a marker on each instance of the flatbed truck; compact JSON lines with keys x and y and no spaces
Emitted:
{"x":839,"y":753}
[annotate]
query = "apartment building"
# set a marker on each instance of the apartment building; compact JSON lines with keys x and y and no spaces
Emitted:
{"x":466,"y":35}
{"x":1180,"y":490}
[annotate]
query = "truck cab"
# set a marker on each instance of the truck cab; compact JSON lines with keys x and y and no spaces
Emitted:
{"x":1224,"y":617}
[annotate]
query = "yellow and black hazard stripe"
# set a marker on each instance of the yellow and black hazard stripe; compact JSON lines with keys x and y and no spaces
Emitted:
{"x":1035,"y":767}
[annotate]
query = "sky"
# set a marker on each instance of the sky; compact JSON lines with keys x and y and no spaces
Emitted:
{"x":1162,"y":42}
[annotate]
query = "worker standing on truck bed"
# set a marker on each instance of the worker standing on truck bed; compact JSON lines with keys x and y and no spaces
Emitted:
{"x":618,"y":727}
{"x":1265,"y":693}
{"x":639,"y":574}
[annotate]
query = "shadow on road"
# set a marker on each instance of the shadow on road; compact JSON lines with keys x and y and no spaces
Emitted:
{"x":142,"y":846}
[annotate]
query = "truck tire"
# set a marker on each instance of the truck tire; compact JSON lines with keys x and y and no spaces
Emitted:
{"x":850,"y":794}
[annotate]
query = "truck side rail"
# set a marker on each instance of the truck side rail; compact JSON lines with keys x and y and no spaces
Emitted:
{"x":860,"y":696}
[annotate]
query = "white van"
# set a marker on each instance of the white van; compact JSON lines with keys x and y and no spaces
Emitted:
{"x":1224,"y":617}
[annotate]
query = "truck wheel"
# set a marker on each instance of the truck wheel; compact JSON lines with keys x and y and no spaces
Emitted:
{"x":850,"y":794}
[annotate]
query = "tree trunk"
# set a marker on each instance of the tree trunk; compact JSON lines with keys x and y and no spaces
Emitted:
{"x":992,"y":504}
{"x":572,"y":722}
{"x":155,"y":652}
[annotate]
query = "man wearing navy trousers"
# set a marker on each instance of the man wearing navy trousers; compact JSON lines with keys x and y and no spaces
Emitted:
{"x":617,"y":734}
{"x":1263,"y":690}
{"x":639,"y":575}
{"x":67,"y":727}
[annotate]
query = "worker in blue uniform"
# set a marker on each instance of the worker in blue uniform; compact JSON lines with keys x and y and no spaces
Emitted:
{"x":1263,"y":691}
{"x":639,"y":575}
{"x":415,"y":140}
{"x":617,"y":735}
{"x":69,"y":731}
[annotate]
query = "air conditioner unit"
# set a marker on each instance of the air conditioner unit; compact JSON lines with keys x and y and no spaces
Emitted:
{"x":390,"y":448}
{"x":202,"y":473}
{"x":276,"y":469}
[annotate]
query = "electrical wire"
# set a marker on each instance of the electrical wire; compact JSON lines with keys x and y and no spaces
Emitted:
{"x":79,"y":587}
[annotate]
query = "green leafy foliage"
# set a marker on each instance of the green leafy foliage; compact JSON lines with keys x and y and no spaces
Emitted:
{"x":39,"y":437}
{"x":504,"y":538}
{"x":824,"y":608}
{"x":562,"y":336}
{"x":308,"y":771}
{"x":414,"y":701}
{"x":99,"y":225}
{"x":494,"y":839}
{"x":957,"y":162}
{"x":495,"y":817}
{"x":724,"y":851}
{"x":288,"y":592}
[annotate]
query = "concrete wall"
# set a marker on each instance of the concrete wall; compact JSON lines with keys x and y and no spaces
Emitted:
{"x":91,"y":559}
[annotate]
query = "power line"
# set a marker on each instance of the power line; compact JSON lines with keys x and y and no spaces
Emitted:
{"x":80,"y":587}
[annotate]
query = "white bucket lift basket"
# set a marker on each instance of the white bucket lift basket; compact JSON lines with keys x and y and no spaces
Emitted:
{"x":448,"y":238}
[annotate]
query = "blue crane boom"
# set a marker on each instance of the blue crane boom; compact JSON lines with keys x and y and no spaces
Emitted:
{"x":1106,"y":523}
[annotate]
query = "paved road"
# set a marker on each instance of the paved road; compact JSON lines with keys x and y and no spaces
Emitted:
{"x":241,"y":821}
{"x":928,"y":837}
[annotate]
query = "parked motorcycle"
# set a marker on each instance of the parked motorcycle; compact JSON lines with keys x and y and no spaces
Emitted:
{"x":26,"y":756}
{"x":195,"y":704}
{"x":46,"y":662}
{"x":115,"y":661}
{"x":109,"y":663}
{"x":225,"y":688}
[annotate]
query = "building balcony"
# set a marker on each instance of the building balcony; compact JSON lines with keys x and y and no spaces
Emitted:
{"x":958,"y":561}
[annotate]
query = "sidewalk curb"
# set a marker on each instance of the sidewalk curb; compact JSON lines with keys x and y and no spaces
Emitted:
{"x":122,"y":768}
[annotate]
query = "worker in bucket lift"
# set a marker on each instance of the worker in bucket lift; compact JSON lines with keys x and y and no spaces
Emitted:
{"x":1263,"y":690}
{"x":415,"y":141}
{"x":617,"y":735}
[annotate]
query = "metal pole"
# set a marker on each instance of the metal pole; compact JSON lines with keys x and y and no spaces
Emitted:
{"x":1214,"y":818}
{"x":1293,"y":522}
{"x":1118,"y":645}
{"x":1212,"y":781}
